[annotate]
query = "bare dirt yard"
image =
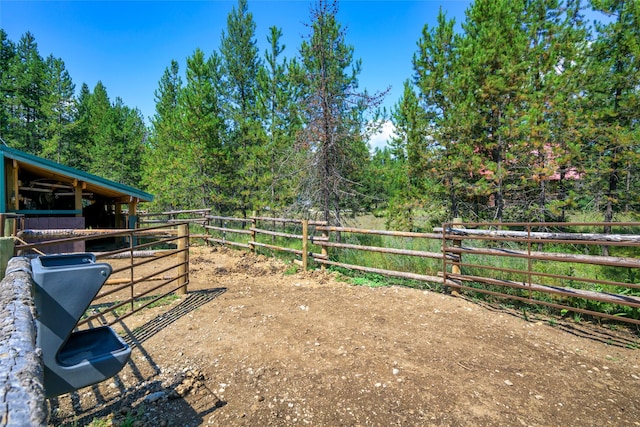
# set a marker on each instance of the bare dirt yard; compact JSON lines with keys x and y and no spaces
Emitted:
{"x":252,"y":346}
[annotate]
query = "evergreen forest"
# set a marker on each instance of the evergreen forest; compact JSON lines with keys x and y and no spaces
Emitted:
{"x":526,"y":111}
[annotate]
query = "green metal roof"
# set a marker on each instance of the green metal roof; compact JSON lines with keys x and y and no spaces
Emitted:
{"x":50,"y":169}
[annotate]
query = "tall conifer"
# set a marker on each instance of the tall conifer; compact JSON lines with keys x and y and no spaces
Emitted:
{"x":162,"y":164}
{"x":58,"y":111}
{"x":334,"y":136}
{"x":246,"y":138}
{"x":613,"y":100}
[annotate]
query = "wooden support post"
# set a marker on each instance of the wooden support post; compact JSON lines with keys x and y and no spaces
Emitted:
{"x":133,"y":219}
{"x":305,"y":244}
{"x":325,"y":251}
{"x":118,"y":213}
{"x":455,"y":268}
{"x":15,"y":199}
{"x":183,"y":258}
{"x":78,"y":187}
{"x":254,"y":225}
{"x":132,"y":245}
{"x":6,"y":253}
{"x":207,"y":231}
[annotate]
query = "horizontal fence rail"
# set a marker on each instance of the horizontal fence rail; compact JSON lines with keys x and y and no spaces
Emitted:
{"x":565,"y":266}
{"x":196,"y":218}
{"x":601,"y":285}
{"x":222,"y":227}
{"x":22,"y":401}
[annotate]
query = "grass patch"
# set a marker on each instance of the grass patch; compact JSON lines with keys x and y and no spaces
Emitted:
{"x":290,"y":270}
{"x":371,"y":281}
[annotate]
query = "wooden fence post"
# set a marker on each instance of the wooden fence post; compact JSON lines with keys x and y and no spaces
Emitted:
{"x":132,"y":244}
{"x":457,"y":243}
{"x":6,"y":252}
{"x":183,"y":258}
{"x":305,"y":244}
{"x":207,"y":231}
{"x":254,"y":225}
{"x":324,"y":250}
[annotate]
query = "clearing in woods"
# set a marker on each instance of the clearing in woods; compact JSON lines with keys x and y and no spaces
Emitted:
{"x":253,"y":346}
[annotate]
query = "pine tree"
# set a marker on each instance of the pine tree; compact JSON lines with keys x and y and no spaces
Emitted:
{"x":334,"y":136}
{"x":437,"y":76}
{"x":7,"y":84}
{"x":162,"y":171}
{"x":128,"y":134}
{"x":113,"y":136}
{"x":565,"y":41}
{"x":277,"y":95}
{"x":58,"y":111}
{"x":410,"y":147}
{"x":246,"y":140}
{"x":26,"y":95}
{"x":494,"y":73}
{"x":204,"y":161}
{"x":98,"y":137}
{"x":547,"y":113}
{"x":81,"y":135}
{"x":613,"y":101}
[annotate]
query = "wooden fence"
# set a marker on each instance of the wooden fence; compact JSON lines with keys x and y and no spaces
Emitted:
{"x":196,"y":218}
{"x":533,"y":263}
{"x":532,"y":267}
{"x":22,"y":401}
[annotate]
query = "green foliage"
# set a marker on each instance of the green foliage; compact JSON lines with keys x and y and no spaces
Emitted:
{"x":384,"y":179}
{"x":277,"y":105}
{"x":334,"y":113}
{"x":612,"y":101}
{"x":370,"y":280}
{"x":41,"y":115}
{"x":201,"y":154}
{"x":516,"y":131}
{"x":522,"y":112}
{"x":291,"y":269}
{"x":162,"y":151}
{"x":246,"y":137}
{"x":119,"y":132}
{"x":58,"y":109}
{"x":23,"y":92}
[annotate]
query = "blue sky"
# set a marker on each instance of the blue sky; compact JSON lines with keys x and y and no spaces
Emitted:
{"x":128,"y":44}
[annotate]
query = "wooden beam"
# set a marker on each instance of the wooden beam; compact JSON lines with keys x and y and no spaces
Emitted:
{"x":52,"y":185}
{"x":78,"y":196}
{"x":15,"y":190}
{"x":124,"y":199}
{"x":133,"y":206}
{"x":77,"y":183}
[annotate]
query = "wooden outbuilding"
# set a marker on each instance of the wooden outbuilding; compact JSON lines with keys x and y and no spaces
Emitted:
{"x":48,"y":195}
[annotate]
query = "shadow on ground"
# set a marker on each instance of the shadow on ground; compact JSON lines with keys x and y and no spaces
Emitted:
{"x":132,"y":403}
{"x":605,"y":333}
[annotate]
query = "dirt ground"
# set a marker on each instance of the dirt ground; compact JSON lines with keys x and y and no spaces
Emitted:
{"x":252,"y":346}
